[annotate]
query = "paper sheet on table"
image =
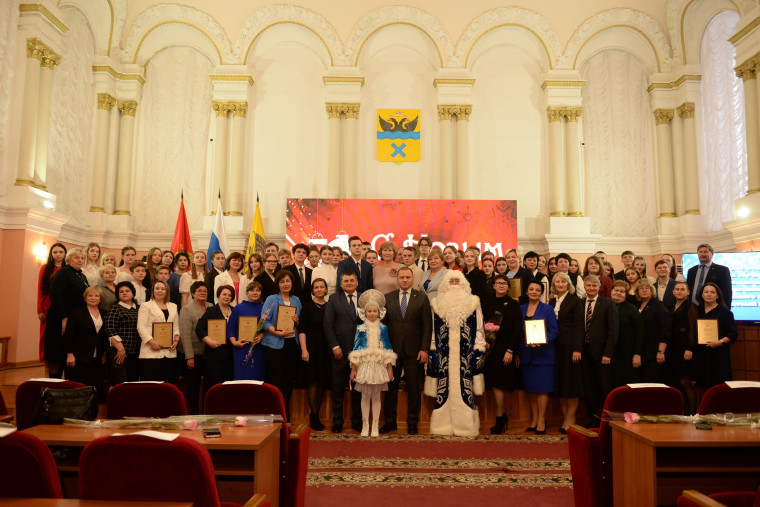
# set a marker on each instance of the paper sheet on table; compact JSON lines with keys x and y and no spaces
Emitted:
{"x":5,"y":431}
{"x":643,"y":385}
{"x":152,"y":434}
{"x":145,"y":382}
{"x":46,"y":380}
{"x":735,"y":384}
{"x":249,"y":382}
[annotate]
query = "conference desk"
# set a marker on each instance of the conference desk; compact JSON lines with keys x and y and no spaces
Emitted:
{"x":653,"y":463}
{"x":246,"y":459}
{"x":76,"y":502}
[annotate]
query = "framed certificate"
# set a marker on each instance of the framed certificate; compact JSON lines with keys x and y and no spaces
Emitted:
{"x":163,"y":333}
{"x":247,"y":328}
{"x":707,"y":331}
{"x":285,"y":318}
{"x":515,"y":288}
{"x":535,"y":332}
{"x":217,"y":330}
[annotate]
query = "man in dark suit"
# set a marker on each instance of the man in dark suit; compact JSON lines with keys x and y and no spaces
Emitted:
{"x":410,"y":328}
{"x":627,"y":258}
{"x":341,"y":319}
{"x":664,"y":284}
{"x":424,"y":245}
{"x":355,"y":264}
{"x":708,"y":271}
{"x":301,"y":274}
{"x":600,"y":338}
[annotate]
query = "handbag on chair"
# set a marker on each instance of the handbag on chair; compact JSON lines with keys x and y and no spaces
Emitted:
{"x":55,"y":405}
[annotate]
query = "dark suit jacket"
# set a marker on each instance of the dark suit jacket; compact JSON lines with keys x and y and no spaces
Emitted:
{"x":209,"y":281}
{"x":620,"y":275}
{"x":604,"y":327}
{"x":365,"y":280}
{"x":412,"y":333}
{"x":570,"y":322}
{"x":717,"y":274}
{"x":669,"y":300}
{"x":478,"y":285}
{"x":340,"y":323}
{"x":658,"y":324}
{"x":303,"y":292}
{"x":81,"y":339}
{"x":268,"y":286}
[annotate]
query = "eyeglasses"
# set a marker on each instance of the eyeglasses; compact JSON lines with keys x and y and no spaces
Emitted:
{"x":272,"y":260}
{"x":500,"y":283}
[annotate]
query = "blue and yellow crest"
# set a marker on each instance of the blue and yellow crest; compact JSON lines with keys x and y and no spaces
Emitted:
{"x":398,"y":135}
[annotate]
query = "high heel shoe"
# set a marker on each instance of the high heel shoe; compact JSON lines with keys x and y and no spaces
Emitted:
{"x":540,"y":432}
{"x":501,"y":425}
{"x":530,"y":429}
{"x":315,"y":423}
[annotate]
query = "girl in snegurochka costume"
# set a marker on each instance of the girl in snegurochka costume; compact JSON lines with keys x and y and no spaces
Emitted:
{"x":373,"y":358}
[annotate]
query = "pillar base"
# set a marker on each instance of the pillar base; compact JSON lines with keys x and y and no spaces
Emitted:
{"x":31,"y":197}
{"x":571,"y":234}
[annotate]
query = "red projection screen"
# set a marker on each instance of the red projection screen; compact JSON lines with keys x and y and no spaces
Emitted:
{"x":489,"y":225}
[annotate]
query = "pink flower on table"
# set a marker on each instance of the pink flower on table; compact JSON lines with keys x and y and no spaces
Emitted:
{"x":241,"y":420}
{"x":631,"y":417}
{"x":490,"y":326}
{"x":191,"y":424}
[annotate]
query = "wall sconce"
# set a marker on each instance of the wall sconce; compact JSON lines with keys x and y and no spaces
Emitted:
{"x":41,"y":253}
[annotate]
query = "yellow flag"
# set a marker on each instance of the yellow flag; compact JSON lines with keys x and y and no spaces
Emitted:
{"x":256,"y":239}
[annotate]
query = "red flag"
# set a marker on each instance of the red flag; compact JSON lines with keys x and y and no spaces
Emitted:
{"x":181,"y":241}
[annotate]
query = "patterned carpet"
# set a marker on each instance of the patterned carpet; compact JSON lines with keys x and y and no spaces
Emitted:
{"x":434,"y":470}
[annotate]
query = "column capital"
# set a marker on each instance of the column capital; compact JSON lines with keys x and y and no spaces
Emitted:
{"x":239,"y":109}
{"x":662,"y":116}
{"x":50,"y":59}
{"x":105,"y":101}
{"x":554,"y":113}
{"x":572,"y":113}
{"x":748,"y":69}
{"x":352,"y":110}
{"x":222,"y":107}
{"x":462,"y":112}
{"x":334,"y":109}
{"x":38,"y":50}
{"x":127,"y":107}
{"x":444,"y":112}
{"x":686,"y":110}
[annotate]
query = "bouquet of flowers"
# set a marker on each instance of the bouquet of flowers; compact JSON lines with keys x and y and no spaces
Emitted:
{"x":259,"y":330}
{"x":492,"y":327}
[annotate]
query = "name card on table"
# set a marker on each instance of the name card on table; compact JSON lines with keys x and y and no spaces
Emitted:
{"x":238,"y":382}
{"x":736,"y":384}
{"x":150,"y":433}
{"x":643,"y":385}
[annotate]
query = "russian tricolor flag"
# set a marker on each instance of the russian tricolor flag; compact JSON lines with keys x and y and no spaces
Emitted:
{"x":218,"y":237}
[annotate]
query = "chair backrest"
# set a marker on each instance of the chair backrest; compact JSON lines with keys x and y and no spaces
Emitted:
{"x":139,"y":468}
{"x":144,"y":400}
{"x":28,"y":396}
{"x":27,"y":468}
{"x":722,"y":398}
{"x":644,"y":400}
{"x":241,"y":399}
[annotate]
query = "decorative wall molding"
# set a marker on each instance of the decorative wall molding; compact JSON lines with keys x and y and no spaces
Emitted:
{"x":613,"y":18}
{"x":275,"y":14}
{"x":390,"y":15}
{"x":163,"y":14}
{"x":526,"y":19}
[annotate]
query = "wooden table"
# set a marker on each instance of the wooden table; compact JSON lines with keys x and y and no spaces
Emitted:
{"x":653,"y":463}
{"x":246,"y":459}
{"x":76,"y":502}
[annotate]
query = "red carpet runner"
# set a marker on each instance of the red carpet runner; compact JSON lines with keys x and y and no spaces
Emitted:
{"x":438,"y":471}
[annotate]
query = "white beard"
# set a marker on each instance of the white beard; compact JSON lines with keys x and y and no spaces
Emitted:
{"x":454,"y":306}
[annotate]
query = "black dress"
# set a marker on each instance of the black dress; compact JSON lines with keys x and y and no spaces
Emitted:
{"x":478,"y":285}
{"x":657,"y":326}
{"x":497,"y":374}
{"x":217,"y":362}
{"x":568,"y":378}
{"x":311,"y":324}
{"x":714,"y":365}
{"x":66,"y":288}
{"x":630,"y":343}
{"x":683,"y":338}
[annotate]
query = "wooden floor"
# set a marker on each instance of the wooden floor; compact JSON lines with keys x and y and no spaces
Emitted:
{"x":518,"y":409}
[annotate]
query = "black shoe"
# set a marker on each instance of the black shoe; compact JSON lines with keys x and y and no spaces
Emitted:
{"x":411,"y":429}
{"x":315,"y":423}
{"x":357,"y":427}
{"x":500,"y":426}
{"x":388,"y":427}
{"x":563,"y":431}
{"x":532,"y":428}
{"x":540,"y":432}
{"x":337,"y":428}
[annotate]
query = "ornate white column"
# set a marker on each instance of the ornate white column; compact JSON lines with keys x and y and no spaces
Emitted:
{"x":556,"y":162}
{"x":572,"y":168}
{"x":333,"y":154}
{"x":235,"y":180}
{"x":221,"y":152}
{"x":665,"y":162}
{"x":98,"y":200}
{"x":748,"y":72}
{"x":463,"y":151}
{"x":49,"y":60}
{"x":690,"y":172}
{"x":27,"y":150}
{"x":128,"y":108}
{"x":349,"y":150}
{"x":447,"y":152}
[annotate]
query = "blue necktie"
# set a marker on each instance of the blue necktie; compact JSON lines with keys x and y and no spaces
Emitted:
{"x":403,"y":304}
{"x":351,"y":305}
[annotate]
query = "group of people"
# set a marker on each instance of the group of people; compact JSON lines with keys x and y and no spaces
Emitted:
{"x":450,"y":323}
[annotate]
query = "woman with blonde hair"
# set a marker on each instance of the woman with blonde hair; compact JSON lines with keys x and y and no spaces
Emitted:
{"x":85,"y":339}
{"x":156,"y":362}
{"x":91,"y":268}
{"x":385,"y":273}
{"x":657,"y":330}
{"x":196,"y":273}
{"x":433,"y":276}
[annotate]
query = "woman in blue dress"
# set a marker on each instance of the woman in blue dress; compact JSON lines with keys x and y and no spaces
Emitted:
{"x":245,"y":367}
{"x":537,"y":362}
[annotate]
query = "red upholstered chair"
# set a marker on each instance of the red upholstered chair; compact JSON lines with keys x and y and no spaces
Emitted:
{"x":139,"y":468}
{"x":137,"y":399}
{"x":591,"y":450}
{"x":691,"y":498}
{"x":27,"y":468}
{"x":722,"y":398}
{"x":27,"y":396}
{"x":241,"y":399}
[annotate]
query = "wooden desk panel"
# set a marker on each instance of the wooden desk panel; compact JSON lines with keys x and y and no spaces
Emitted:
{"x":76,"y":502}
{"x":246,"y":459}
{"x":653,"y":463}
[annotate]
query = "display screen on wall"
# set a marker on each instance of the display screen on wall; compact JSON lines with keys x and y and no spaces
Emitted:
{"x":745,"y":281}
{"x":489,"y":225}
